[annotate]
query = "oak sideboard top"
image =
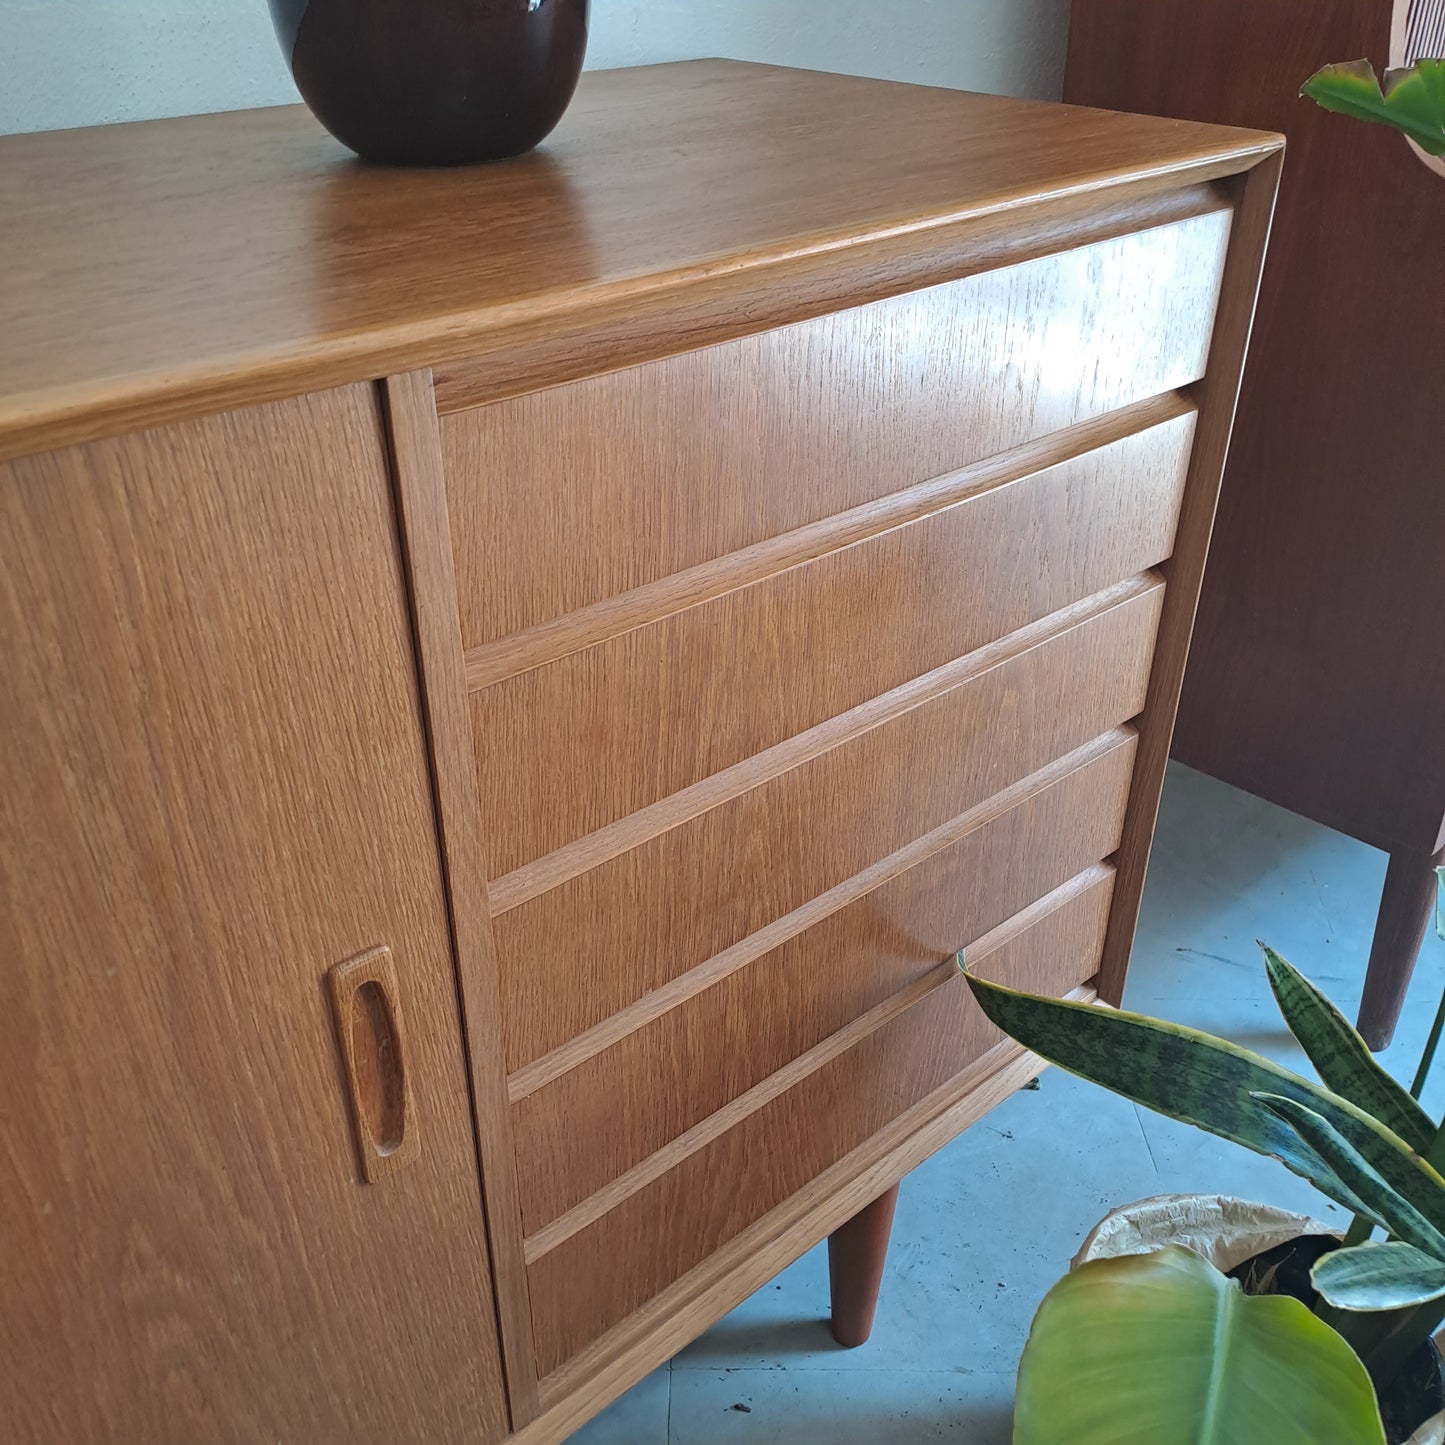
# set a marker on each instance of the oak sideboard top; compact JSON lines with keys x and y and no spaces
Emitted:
{"x":165,"y":268}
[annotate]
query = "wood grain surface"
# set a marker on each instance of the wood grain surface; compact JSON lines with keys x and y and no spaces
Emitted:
{"x":597,"y":1374}
{"x":213,"y":789}
{"x":662,"y":323}
{"x":422,"y":512}
{"x":607,"y":1114}
{"x":575,"y":952}
{"x":1216,"y":396}
{"x":568,"y":748}
{"x":158,"y":269}
{"x":599,"y":1275}
{"x":657,"y":1002}
{"x":371,"y":1034}
{"x":1317,"y":678}
{"x":645,"y":472}
{"x":600,"y":622}
{"x":553,"y":780}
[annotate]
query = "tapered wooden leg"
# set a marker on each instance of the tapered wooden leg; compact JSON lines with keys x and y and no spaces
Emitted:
{"x":1405,"y":912}
{"x":856,"y":1253}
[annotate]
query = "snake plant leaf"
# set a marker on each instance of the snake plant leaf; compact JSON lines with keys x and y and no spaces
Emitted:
{"x":1162,"y":1349}
{"x":1412,"y":100}
{"x":1386,"y":1204}
{"x":1391,"y":1276}
{"x":1200,"y":1080}
{"x":1342,"y":1057}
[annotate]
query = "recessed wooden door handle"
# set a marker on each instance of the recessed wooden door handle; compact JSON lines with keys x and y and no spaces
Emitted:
{"x":367,"y":1008}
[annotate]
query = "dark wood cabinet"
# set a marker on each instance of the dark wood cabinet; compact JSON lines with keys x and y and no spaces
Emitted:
{"x":1317,"y":676}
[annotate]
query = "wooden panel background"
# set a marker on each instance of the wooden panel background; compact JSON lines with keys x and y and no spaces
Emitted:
{"x":214,"y":788}
{"x":574,"y":953}
{"x":1317,"y":679}
{"x":565,"y":749}
{"x":645,"y":472}
{"x":607,"y":1114}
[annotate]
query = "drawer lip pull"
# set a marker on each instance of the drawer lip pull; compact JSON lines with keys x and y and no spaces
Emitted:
{"x":366,"y":1012}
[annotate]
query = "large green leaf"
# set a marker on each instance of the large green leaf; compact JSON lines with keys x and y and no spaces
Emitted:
{"x":1384,"y":1203}
{"x":1205,"y":1081}
{"x":1412,"y":101}
{"x":1342,"y":1057}
{"x":1162,"y":1349}
{"x":1389,"y":1276}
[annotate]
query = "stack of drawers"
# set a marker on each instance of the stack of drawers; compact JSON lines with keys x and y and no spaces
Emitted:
{"x":796,"y":664}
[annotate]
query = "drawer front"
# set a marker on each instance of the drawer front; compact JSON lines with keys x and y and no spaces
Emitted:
{"x":647,"y":472}
{"x":596,"y":1276}
{"x":728,"y":863}
{"x":570,"y":747}
{"x":793,"y":664}
{"x":601,"y":1118}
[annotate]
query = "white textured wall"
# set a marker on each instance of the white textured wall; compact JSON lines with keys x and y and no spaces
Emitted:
{"x":82,"y":62}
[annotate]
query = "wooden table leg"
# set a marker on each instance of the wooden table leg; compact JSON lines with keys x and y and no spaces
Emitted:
{"x":1405,"y":912}
{"x":856,"y":1253}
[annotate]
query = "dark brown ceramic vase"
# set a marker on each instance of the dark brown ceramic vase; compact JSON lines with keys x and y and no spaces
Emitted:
{"x":435,"y":82}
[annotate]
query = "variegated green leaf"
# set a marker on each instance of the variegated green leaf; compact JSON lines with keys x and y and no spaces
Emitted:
{"x":1411,"y":100}
{"x":1342,"y":1057}
{"x":1389,"y":1276}
{"x":1384,"y":1202}
{"x":1205,"y":1081}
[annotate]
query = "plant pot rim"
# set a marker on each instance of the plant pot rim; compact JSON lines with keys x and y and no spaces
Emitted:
{"x":1224,"y":1228}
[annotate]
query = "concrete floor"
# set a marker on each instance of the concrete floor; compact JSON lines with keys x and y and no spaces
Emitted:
{"x":986,"y":1226}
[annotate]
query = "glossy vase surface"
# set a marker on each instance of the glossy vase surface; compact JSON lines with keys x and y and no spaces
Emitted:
{"x":435,"y":82}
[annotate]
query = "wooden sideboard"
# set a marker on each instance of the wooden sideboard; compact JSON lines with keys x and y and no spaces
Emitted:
{"x":517,"y":682}
{"x":1318,"y":679}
